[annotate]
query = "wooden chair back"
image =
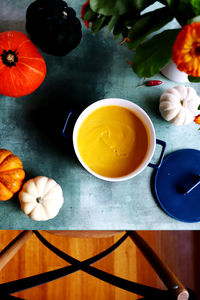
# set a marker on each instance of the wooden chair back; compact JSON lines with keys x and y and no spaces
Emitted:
{"x":176,"y":288}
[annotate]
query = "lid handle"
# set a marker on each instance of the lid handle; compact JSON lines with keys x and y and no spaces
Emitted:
{"x":192,"y":186}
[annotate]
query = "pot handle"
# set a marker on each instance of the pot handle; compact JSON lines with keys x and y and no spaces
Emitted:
{"x":163,"y":144}
{"x":69,"y":123}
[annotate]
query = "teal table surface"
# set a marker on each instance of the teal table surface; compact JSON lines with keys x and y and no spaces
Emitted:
{"x":31,"y":128}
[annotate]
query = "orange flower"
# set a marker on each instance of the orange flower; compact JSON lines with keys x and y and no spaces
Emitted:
{"x":197,"y":119}
{"x":186,"y":50}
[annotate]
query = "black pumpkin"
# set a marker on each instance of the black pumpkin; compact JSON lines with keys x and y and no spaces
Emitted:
{"x":53,"y":26}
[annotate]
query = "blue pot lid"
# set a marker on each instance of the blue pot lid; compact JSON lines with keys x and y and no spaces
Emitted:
{"x":177,"y":185}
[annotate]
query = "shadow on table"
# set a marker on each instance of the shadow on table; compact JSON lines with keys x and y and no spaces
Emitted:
{"x":72,"y":82}
{"x":152,"y":183}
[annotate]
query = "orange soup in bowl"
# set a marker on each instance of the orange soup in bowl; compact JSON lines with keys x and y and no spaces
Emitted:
{"x":113,"y":141}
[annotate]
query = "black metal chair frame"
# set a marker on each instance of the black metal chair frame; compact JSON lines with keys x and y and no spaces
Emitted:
{"x":150,"y":293}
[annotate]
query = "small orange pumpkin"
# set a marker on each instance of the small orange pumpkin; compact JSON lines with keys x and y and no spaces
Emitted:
{"x":11,"y":174}
{"x":22,"y":67}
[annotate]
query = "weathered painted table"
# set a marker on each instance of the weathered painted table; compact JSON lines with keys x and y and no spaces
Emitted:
{"x":31,"y":128}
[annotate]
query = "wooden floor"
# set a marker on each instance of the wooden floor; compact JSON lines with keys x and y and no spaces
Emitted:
{"x":179,"y":249}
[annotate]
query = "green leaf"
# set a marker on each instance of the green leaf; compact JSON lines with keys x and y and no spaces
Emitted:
{"x":111,"y":24}
{"x":120,"y":28}
{"x":195,"y":19}
{"x":132,"y":22}
{"x":164,"y":2}
{"x":117,"y":36}
{"x":169,"y":2}
{"x":193,"y":79}
{"x":89,"y":15}
{"x":148,"y":23}
{"x":99,"y":23}
{"x":184,"y":10}
{"x":154,"y":54}
{"x":118,"y":7}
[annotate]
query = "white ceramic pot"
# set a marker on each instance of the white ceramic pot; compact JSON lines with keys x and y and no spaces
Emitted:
{"x":172,"y":72}
{"x":139,"y":112}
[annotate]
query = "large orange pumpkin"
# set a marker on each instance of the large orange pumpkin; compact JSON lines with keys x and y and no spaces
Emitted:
{"x":22,"y":67}
{"x":11,"y":174}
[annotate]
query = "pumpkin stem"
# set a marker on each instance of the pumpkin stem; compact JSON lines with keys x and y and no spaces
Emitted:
{"x":9,"y":58}
{"x":39,"y":200}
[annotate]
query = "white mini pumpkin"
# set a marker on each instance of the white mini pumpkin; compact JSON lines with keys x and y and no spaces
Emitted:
{"x":179,"y":105}
{"x":41,"y":198}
